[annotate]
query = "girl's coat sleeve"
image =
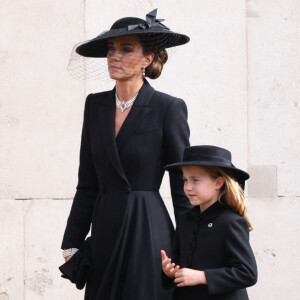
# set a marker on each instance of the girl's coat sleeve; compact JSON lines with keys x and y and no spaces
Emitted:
{"x":242,"y":272}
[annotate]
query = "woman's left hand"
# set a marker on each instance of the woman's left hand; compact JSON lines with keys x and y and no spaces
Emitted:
{"x":68,"y":257}
{"x":189,"y":277}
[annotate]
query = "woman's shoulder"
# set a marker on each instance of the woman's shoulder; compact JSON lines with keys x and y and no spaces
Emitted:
{"x":99,"y":98}
{"x":100,"y":95}
{"x":166,"y":99}
{"x":168,"y":105}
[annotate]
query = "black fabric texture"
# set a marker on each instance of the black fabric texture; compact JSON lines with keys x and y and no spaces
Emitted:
{"x":118,"y":193}
{"x":217,"y":242}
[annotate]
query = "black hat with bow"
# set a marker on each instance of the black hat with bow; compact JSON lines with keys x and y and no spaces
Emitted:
{"x":158,"y":35}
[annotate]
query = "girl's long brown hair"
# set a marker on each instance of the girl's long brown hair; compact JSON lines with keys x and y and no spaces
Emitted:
{"x":231,"y":191}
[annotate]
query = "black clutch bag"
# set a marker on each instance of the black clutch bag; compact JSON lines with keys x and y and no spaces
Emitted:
{"x":78,"y":268}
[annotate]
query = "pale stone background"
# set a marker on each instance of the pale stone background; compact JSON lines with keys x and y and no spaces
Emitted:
{"x":240,"y":77}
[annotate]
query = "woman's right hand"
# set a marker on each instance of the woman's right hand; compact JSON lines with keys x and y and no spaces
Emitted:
{"x":168,"y":267}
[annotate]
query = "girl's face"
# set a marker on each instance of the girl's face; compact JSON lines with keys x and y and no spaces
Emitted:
{"x":200,"y":187}
{"x":125,"y":58}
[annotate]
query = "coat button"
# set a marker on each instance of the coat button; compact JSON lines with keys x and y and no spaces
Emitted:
{"x":210,"y":225}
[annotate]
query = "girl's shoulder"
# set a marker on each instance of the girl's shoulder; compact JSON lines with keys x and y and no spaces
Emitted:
{"x":229,"y":218}
{"x":222,"y":214}
{"x":216,"y":209}
{"x":229,"y":213}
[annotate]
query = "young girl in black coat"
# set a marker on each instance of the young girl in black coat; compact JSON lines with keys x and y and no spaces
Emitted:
{"x":213,"y":258}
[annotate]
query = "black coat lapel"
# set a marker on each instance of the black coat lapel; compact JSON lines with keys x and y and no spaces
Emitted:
{"x":107,"y":127}
{"x":136,"y":115}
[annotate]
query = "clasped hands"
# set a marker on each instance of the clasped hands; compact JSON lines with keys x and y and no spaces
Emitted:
{"x":184,"y":276}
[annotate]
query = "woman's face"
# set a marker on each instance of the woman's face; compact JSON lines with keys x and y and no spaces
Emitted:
{"x":125,"y":58}
{"x":200,"y":187}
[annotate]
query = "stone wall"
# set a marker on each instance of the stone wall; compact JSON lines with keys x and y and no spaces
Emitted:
{"x":239,"y":76}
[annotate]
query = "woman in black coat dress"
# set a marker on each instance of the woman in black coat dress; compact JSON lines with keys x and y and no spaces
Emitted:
{"x":124,"y":147}
{"x":214,"y":257}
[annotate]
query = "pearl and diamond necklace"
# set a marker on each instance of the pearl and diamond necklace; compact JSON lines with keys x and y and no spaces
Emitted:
{"x":124,"y":105}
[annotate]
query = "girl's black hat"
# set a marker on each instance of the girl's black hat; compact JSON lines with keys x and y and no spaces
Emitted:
{"x":158,"y":35}
{"x":209,"y":156}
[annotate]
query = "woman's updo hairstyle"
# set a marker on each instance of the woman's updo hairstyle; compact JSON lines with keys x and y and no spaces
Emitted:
{"x":154,"y":70}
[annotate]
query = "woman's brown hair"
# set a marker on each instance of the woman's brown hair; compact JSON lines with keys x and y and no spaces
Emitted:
{"x":154,"y":70}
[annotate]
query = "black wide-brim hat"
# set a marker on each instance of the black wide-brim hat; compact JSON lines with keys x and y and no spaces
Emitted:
{"x":209,"y":156}
{"x":160,"y":36}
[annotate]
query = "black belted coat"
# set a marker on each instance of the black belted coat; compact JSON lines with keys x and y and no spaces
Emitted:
{"x":118,"y":193}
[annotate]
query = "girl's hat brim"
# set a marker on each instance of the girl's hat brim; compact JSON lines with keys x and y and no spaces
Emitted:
{"x":157,"y":34}
{"x":208,"y":156}
{"x":235,"y":172}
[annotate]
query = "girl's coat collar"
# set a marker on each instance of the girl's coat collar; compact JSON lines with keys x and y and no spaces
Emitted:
{"x":209,"y":214}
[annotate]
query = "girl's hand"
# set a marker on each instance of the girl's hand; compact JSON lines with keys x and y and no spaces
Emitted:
{"x":168,"y":267}
{"x":189,"y":277}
